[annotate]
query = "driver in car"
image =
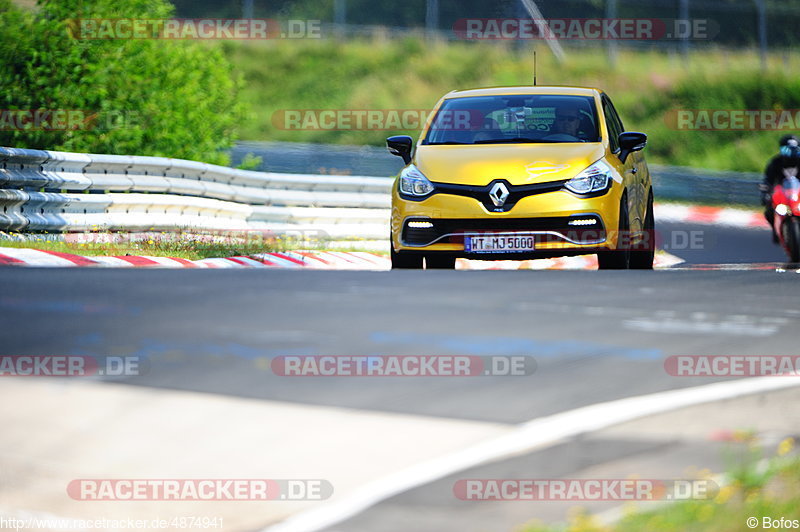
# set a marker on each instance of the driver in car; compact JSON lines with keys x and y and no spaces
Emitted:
{"x":783,"y":165}
{"x":567,"y":121}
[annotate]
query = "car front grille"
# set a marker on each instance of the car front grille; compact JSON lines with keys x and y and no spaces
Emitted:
{"x":452,"y":230}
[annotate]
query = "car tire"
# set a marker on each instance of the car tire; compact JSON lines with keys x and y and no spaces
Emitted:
{"x":618,"y":259}
{"x":643,"y":259}
{"x":405,"y":260}
{"x":439,"y":262}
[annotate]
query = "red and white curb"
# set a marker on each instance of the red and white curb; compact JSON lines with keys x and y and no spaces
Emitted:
{"x":673,"y":212}
{"x":581,"y":262}
{"x":320,"y":260}
{"x":315,"y":260}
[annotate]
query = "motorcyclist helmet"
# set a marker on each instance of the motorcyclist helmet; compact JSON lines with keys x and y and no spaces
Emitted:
{"x":790,"y":147}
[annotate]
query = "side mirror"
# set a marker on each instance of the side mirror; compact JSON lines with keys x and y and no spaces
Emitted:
{"x":629,"y":142}
{"x":400,"y":145}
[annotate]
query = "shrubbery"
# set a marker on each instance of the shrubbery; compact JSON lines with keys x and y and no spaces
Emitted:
{"x":180,"y":98}
{"x":646,"y":86}
{"x":151,"y":97}
{"x":740,"y":149}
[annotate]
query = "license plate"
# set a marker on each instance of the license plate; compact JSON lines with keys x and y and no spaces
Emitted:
{"x":498,"y":243}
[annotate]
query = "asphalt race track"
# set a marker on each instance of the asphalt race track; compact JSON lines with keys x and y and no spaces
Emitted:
{"x":704,"y":244}
{"x":595,"y":336}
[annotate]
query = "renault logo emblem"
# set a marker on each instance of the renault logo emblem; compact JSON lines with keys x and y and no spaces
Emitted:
{"x":499,"y":194}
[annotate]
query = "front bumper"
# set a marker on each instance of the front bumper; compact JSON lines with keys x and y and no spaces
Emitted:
{"x":446,"y":219}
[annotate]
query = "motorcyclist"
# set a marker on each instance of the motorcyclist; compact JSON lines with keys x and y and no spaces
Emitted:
{"x":785,"y":164}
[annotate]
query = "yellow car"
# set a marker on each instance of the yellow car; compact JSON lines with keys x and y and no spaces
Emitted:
{"x":519,"y":173}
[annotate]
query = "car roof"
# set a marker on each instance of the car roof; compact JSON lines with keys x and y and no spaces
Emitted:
{"x":525,"y":90}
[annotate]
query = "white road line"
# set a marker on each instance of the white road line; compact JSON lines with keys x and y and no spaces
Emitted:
{"x":536,"y":433}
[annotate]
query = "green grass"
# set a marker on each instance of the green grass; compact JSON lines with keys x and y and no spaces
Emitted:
{"x":773,"y":491}
{"x":176,"y":245}
{"x":412,"y":74}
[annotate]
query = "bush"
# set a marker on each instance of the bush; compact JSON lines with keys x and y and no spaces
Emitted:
{"x":743,"y":150}
{"x":647,"y":87}
{"x":149,"y":97}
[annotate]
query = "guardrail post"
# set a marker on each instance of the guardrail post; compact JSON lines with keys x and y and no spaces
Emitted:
{"x":612,"y":45}
{"x":762,"y":32}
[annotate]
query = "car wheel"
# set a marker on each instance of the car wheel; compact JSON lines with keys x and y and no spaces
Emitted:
{"x":405,"y":260}
{"x":643,"y":259}
{"x":438,"y":262}
{"x":618,"y":259}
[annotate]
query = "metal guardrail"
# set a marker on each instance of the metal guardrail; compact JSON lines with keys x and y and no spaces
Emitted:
{"x":691,"y":185}
{"x":44,"y":191}
{"x":705,"y":186}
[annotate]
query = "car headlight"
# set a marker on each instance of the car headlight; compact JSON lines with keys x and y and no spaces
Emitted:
{"x":594,"y":179}
{"x":414,"y":183}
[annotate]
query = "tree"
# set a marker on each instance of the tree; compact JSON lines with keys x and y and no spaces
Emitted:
{"x":173,"y":98}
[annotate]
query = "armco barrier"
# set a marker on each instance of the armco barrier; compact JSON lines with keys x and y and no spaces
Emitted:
{"x":705,"y":186}
{"x":44,"y":191}
{"x":691,"y":185}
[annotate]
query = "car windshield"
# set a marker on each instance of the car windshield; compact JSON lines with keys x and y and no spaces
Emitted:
{"x":510,"y":119}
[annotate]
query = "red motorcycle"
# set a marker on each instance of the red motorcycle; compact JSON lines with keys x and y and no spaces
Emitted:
{"x":786,"y":205}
